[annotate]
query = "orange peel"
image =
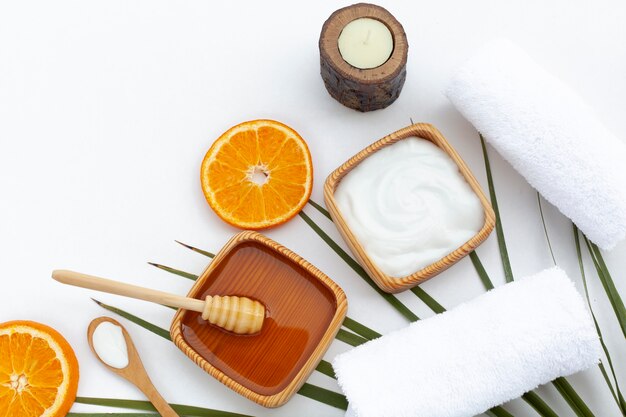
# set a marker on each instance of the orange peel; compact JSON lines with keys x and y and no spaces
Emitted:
{"x":257,"y":174}
{"x":38,"y":371}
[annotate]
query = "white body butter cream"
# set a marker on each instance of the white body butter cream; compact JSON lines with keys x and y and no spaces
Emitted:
{"x":110,"y":345}
{"x":409,"y":206}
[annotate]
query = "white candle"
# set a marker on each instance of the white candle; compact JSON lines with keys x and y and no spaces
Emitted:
{"x":365,"y":43}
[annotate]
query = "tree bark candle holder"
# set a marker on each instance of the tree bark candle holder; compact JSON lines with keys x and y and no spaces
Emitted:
{"x":362,"y":89}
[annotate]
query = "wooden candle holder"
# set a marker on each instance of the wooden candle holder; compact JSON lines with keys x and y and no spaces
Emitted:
{"x":384,"y":281}
{"x":362,"y":89}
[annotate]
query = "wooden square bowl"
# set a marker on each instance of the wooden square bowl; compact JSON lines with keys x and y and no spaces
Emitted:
{"x":384,"y":281}
{"x":304,"y":311}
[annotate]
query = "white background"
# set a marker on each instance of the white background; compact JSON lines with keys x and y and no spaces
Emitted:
{"x":107,"y":108}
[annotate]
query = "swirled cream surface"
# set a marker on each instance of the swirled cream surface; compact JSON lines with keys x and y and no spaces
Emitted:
{"x":409,"y":206}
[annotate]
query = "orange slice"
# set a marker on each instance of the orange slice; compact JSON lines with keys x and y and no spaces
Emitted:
{"x":258,"y":174}
{"x":38,"y":371}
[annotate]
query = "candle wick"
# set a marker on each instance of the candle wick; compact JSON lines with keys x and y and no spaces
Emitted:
{"x":367,"y":37}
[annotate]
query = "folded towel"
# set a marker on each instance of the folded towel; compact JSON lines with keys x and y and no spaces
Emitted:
{"x":479,"y":355}
{"x":549,"y":135}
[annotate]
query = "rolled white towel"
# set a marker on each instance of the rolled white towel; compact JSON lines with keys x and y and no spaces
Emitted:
{"x":479,"y":355}
{"x":549,"y":135}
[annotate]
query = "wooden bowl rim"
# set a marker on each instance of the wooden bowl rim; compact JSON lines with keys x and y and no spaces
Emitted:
{"x":278,"y":399}
{"x":329,"y":48}
{"x":386,"y":282}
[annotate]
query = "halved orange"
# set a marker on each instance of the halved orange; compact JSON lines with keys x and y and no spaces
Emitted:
{"x":258,"y":174}
{"x":38,"y":371}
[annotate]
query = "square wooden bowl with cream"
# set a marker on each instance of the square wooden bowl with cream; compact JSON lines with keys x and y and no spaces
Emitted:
{"x":408,"y":207}
{"x":304,"y":311}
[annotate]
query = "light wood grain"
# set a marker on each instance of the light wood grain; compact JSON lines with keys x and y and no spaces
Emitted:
{"x":135,"y":372}
{"x":384,"y":281}
{"x":362,"y":89}
{"x":301,"y":311}
{"x":237,"y":314}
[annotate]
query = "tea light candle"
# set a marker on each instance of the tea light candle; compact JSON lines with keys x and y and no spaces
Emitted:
{"x":363,"y":54}
{"x":365,"y":43}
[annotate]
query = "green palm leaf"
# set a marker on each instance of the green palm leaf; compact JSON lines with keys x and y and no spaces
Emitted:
{"x":360,"y":329}
{"x":498,"y":412}
{"x":563,"y":387}
{"x":539,"y":405}
{"x":571,"y":396}
{"x":321,"y":209}
{"x":186,"y":410}
{"x":580,"y":408}
{"x":419,"y":292}
{"x":178,"y":272}
{"x":113,"y":415}
{"x":480,"y":269}
{"x":350,"y":338}
{"x":561,"y":384}
{"x":545,"y":228}
{"x":504,"y":253}
{"x":397,"y":304}
{"x":619,"y":398}
{"x":326,"y":368}
{"x":428,"y":300}
{"x":324,"y":396}
{"x":159,"y":331}
{"x":200,"y":251}
{"x":607,"y":283}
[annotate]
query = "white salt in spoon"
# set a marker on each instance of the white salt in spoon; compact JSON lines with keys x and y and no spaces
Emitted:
{"x":112,"y":345}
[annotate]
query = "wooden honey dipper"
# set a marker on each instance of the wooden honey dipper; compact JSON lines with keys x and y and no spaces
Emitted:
{"x":240,"y":315}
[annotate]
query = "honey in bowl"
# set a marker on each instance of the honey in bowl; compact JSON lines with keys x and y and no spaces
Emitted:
{"x":304,"y":311}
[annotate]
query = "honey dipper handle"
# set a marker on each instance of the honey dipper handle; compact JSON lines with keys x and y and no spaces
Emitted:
{"x":127,"y":290}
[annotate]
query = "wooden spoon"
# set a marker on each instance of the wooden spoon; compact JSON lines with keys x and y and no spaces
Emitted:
{"x":237,"y":314}
{"x":135,"y":373}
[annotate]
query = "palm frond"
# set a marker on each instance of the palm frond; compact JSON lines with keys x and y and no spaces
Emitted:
{"x":186,"y":410}
{"x":571,"y":396}
{"x":200,"y":251}
{"x":480,"y":270}
{"x":563,"y":387}
{"x":350,"y":338}
{"x":360,"y":329}
{"x":607,"y":283}
{"x":504,"y":253}
{"x":169,"y":269}
{"x":545,"y":228}
{"x":395,"y":303}
{"x":113,"y":415}
{"x":321,"y":209}
{"x":159,"y":331}
{"x":539,"y":405}
{"x":324,"y":396}
{"x":326,"y":368}
{"x":617,"y":394}
{"x":428,"y":300}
